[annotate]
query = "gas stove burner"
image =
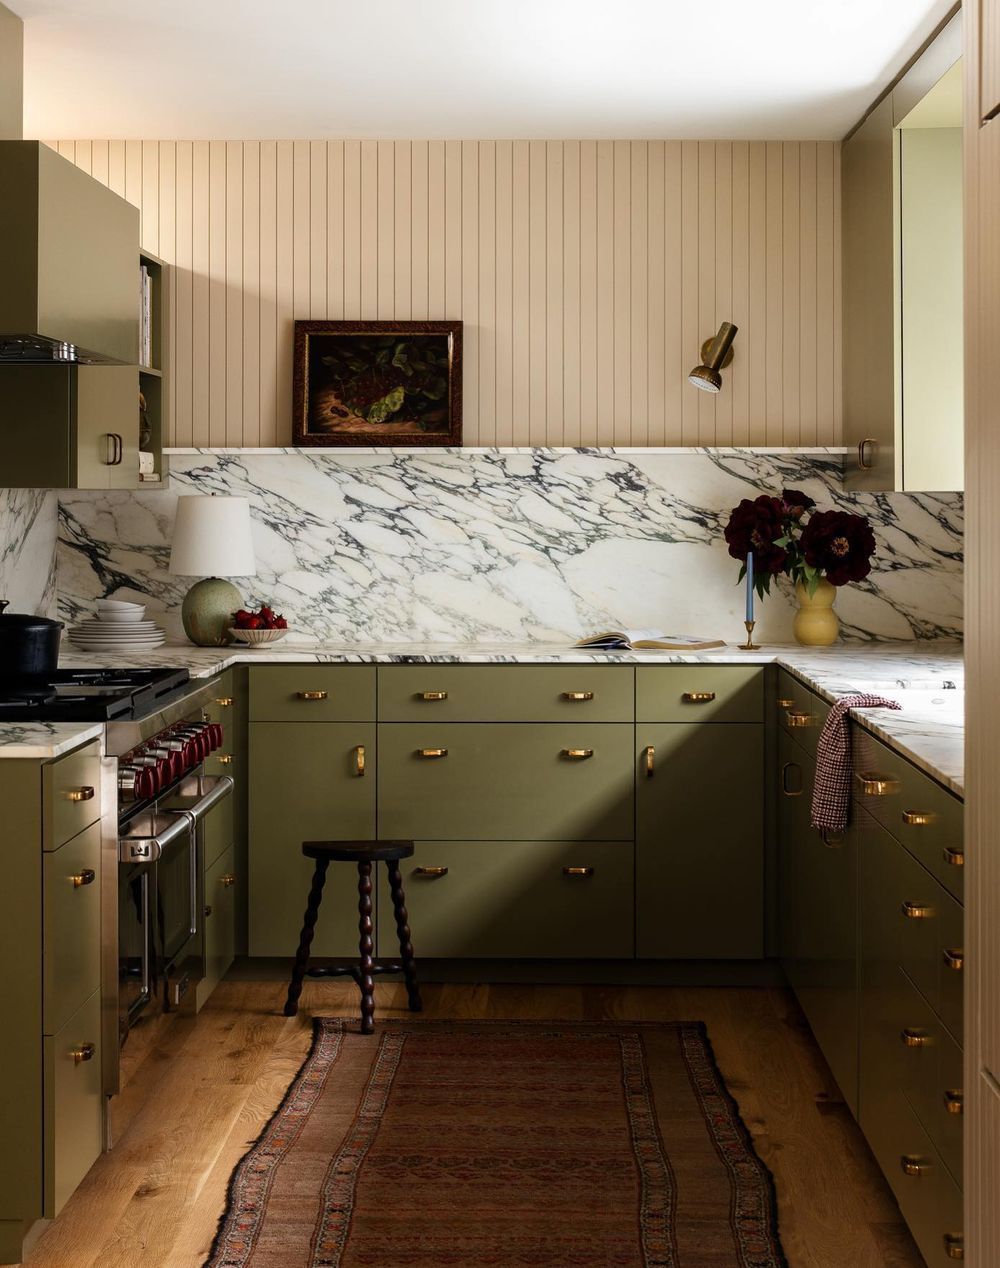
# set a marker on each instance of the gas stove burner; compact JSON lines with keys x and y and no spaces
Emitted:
{"x":89,"y":695}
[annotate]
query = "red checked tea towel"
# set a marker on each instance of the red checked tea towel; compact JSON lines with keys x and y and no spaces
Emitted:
{"x":832,"y":789}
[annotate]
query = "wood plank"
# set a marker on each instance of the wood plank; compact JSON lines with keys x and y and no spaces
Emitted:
{"x":487,"y":332}
{"x":638,"y":428}
{"x":756,"y":340}
{"x":167,"y":194}
{"x":352,"y":230}
{"x":623,"y":334}
{"x":791,"y":271}
{"x":555,"y":298}
{"x":386,"y":240}
{"x":301,"y":230}
{"x":419,"y":231}
{"x":808,"y":277}
{"x":116,"y":167}
{"x":503,"y":425}
{"x":318,"y":219}
{"x":250,"y":209}
{"x":453,"y":229}
{"x":435,"y":230}
{"x":266,"y":431}
{"x":739,"y":373}
{"x":724,"y":281}
{"x":133,"y":173}
{"x":235,"y":290}
{"x":284,"y":294}
{"x":200,"y":295}
{"x":708,"y":316}
{"x":335,"y":230}
{"x":570,"y":369}
{"x":520,"y":295}
{"x":182,"y":365}
{"x":537,"y":330}
{"x":149,"y":197}
{"x":217,"y":308}
{"x":605,"y":344}
{"x":676,"y":354}
{"x":691,"y":336}
{"x":774,"y":266}
{"x":402,"y":221}
{"x":470,"y":290}
{"x":369,"y":220}
{"x":588,"y":295}
{"x":99,"y":161}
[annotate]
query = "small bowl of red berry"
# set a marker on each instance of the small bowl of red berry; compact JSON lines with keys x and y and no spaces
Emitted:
{"x":258,"y":628}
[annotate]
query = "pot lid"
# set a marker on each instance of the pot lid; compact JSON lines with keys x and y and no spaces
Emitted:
{"x":24,"y":620}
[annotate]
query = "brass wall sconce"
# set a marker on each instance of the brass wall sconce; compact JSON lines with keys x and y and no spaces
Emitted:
{"x":715,"y":355}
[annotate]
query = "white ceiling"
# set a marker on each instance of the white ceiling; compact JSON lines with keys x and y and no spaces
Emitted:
{"x":461,"y":68}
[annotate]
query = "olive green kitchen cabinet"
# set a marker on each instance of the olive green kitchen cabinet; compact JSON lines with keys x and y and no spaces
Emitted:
{"x":699,"y":841}
{"x":818,"y":903}
{"x":307,"y":781}
{"x":219,"y":911}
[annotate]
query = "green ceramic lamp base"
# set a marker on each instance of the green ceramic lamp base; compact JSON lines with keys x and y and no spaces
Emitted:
{"x":207,"y":611}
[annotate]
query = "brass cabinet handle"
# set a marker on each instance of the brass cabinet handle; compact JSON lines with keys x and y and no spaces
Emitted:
{"x":913,"y":1037}
{"x":698,"y":697}
{"x":791,"y":792}
{"x":228,"y":880}
{"x":648,"y":760}
{"x":784,"y":702}
{"x":86,"y":793}
{"x":954,"y":855}
{"x":578,"y":871}
{"x":954,"y":958}
{"x":864,"y":462}
{"x":800,"y":719}
{"x":875,"y":785}
{"x":84,"y":1052}
{"x":432,"y":752}
{"x":578,"y":754}
{"x":206,"y":911}
{"x":832,"y":840}
{"x":954,"y":1246}
{"x":578,"y":695}
{"x":918,"y":818}
{"x":226,"y":759}
{"x":913,"y":1165}
{"x":311,"y":695}
{"x":953,"y":1100}
{"x":430,"y":871}
{"x":225,"y":701}
{"x":432,"y":695}
{"x":359,"y":759}
{"x":86,"y":876}
{"x":917,"y":911}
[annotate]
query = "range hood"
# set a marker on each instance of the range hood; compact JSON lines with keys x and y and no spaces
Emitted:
{"x":69,"y":262}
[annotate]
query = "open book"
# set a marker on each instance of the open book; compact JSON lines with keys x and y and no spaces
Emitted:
{"x":626,"y":640}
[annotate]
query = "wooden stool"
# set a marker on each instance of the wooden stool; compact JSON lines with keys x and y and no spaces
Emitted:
{"x":364,"y":853}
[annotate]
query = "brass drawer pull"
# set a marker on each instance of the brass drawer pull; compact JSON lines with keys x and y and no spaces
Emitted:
{"x":311,"y":695}
{"x":953,"y":1100}
{"x":954,"y":958}
{"x":918,"y":818}
{"x":800,"y":719}
{"x":224,"y":702}
{"x":954,"y":1246}
{"x":227,"y":881}
{"x":578,"y":754}
{"x":874,"y":785}
{"x":578,"y":695}
{"x":431,"y":871}
{"x":832,"y":840}
{"x":791,"y":792}
{"x":785,"y":702}
{"x":648,"y":760}
{"x":698,"y":697}
{"x":86,"y":793}
{"x":432,"y":752}
{"x":578,"y":871}
{"x":86,"y":876}
{"x":85,"y":1052}
{"x":914,"y":1166}
{"x":917,"y":911}
{"x":225,"y":759}
{"x":359,"y":760}
{"x":206,"y":910}
{"x":954,"y":855}
{"x":914,"y":1038}
{"x":432,"y":695}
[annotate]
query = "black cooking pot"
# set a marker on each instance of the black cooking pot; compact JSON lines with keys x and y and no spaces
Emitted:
{"x":28,"y":644}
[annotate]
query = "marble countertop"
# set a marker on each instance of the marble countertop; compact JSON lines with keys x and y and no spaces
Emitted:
{"x":927,"y":678}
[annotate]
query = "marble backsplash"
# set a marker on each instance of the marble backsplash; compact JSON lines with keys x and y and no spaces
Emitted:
{"x":29,"y":521}
{"x":510,"y":545}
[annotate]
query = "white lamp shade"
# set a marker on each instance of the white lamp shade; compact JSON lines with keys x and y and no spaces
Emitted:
{"x":212,"y":538}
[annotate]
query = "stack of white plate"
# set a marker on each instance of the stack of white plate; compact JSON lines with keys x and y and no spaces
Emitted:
{"x":118,"y":627}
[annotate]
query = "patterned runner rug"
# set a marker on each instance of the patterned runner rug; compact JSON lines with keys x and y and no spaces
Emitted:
{"x":505,"y":1143}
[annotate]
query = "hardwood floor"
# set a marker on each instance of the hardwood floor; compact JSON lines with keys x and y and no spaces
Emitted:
{"x":154,"y":1200}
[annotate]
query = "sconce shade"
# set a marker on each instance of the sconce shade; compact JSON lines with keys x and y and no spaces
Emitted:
{"x":716,"y":354}
{"x":212,"y":538}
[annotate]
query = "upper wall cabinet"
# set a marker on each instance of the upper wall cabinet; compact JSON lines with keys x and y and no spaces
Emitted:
{"x":903,"y":295}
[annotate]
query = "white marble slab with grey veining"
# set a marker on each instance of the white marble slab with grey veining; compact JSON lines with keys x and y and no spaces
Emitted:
{"x":42,"y":740}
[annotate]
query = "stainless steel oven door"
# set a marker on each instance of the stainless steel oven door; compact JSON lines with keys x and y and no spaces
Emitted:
{"x":135,"y":980}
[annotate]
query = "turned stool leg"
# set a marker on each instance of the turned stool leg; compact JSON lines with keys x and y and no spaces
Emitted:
{"x":367,"y":948}
{"x":403,"y":930}
{"x":306,"y":937}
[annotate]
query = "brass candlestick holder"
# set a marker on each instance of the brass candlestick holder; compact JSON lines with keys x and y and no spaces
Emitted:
{"x":749,"y":645}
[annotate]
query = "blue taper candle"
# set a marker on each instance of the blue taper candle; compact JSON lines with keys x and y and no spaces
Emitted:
{"x":750,"y":585}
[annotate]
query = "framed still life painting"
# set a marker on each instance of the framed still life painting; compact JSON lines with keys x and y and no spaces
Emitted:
{"x":365,"y":383}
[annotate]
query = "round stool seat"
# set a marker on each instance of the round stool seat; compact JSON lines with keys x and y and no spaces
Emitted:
{"x":357,"y":851}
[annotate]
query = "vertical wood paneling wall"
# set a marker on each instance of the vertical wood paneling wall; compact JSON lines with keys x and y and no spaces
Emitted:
{"x":587,"y":275}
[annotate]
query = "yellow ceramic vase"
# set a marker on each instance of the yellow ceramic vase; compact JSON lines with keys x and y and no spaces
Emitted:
{"x":816,"y":623}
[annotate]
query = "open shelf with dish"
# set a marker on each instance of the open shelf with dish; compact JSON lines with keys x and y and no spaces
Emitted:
{"x":153,"y":378}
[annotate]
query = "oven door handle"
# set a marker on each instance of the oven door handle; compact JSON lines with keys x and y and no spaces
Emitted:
{"x":198,"y":794}
{"x":146,"y":846}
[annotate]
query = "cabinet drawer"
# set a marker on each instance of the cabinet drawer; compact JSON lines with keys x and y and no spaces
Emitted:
{"x":507,"y":781}
{"x":498,"y":899}
{"x":312,"y":693}
{"x":921,"y":814}
{"x":800,"y":712}
{"x":699,"y":693}
{"x":71,"y":790}
{"x":220,"y":920}
{"x":505,"y":693}
{"x":74,"y":1103}
{"x":72,"y":949}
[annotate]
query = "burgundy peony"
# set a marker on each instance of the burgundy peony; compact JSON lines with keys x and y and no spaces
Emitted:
{"x":839,"y":544}
{"x":796,"y":503}
{"x":755,"y":526}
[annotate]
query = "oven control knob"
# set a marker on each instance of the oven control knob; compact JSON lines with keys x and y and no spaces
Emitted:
{"x":215,"y":734}
{"x":158,"y":765}
{"x":192,"y":737}
{"x":136,"y":783}
{"x":175,"y":767}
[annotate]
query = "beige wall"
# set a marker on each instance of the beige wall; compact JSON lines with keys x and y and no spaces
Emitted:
{"x":587,"y":274}
{"x":11,"y":74}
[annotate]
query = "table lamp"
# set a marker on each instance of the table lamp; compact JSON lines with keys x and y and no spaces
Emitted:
{"x":211,"y":540}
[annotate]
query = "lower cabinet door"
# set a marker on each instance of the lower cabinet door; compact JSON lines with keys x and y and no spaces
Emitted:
{"x":220,"y":921}
{"x":819,"y":917}
{"x":74,"y":1103}
{"x":525,"y":899}
{"x":700,"y":841}
{"x":72,"y":947}
{"x":310,"y":781}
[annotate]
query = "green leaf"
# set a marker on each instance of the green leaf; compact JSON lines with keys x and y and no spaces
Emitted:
{"x":387,"y":406}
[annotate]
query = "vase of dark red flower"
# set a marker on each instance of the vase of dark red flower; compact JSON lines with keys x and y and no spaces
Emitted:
{"x":819,"y":550}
